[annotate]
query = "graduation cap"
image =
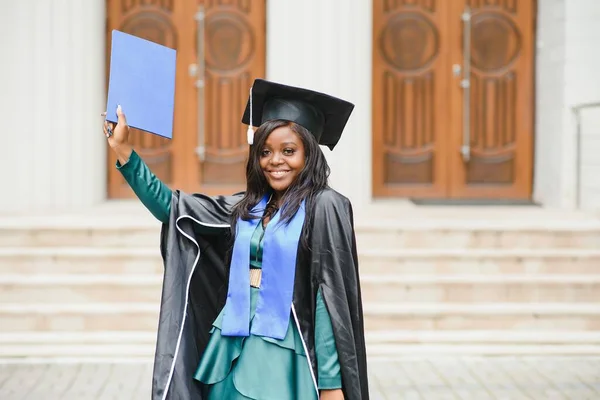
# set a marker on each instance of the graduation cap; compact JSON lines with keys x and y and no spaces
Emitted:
{"x":323,"y":115}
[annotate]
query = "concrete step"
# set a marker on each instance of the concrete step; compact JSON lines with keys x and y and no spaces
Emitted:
{"x":80,"y":236}
{"x":479,"y":261}
{"x":147,"y":260}
{"x":393,"y":352}
{"x":477,"y":234}
{"x":80,"y":289}
{"x":92,"y":317}
{"x":476,"y":337}
{"x":80,"y":260}
{"x":97,"y":353}
{"x":483,"y":316}
{"x":394,"y":289}
{"x":482,"y":337}
{"x":135,"y":344}
{"x":486,"y":288}
{"x":395,"y":233}
{"x":111,"y":344}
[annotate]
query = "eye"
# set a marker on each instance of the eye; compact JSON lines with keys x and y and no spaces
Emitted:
{"x":265,"y":153}
{"x":288,"y":151}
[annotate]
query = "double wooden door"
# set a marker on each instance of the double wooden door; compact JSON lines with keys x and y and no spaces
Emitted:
{"x":220,"y":51}
{"x":453,"y":98}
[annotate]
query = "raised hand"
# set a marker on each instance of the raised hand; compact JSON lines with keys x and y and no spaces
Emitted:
{"x":118,"y":136}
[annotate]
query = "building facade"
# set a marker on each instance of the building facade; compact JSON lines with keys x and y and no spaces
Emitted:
{"x":458,"y":100}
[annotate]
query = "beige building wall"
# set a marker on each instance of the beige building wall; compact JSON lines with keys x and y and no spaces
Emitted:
{"x":53,"y":154}
{"x":567,"y":174}
{"x":550,"y":102}
{"x":326,"y":46}
{"x":52,"y":93}
{"x":582,"y":79}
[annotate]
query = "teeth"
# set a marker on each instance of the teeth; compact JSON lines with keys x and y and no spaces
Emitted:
{"x":278,"y":173}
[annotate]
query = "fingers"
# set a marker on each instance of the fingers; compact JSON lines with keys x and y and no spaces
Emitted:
{"x":108,"y":128}
{"x":121,"y":116}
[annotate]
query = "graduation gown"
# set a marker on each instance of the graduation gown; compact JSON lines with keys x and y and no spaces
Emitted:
{"x":195,"y":245}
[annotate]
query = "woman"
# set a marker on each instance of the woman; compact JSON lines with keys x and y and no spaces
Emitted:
{"x":261,"y":296}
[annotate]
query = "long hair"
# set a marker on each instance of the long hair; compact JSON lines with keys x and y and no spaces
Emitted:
{"x":312,"y":179}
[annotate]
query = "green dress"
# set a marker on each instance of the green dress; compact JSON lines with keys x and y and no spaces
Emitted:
{"x":237,"y":367}
{"x":234,"y":366}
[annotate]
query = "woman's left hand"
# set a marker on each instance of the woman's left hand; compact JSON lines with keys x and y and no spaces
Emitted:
{"x":335,"y":394}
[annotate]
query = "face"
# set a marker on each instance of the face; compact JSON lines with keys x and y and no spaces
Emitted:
{"x":282,"y":158}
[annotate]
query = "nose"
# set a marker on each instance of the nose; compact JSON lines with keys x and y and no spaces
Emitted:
{"x":276,"y":159}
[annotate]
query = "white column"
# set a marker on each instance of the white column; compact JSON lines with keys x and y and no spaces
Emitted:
{"x":567,"y":75}
{"x":582,"y":85}
{"x":326,"y":46}
{"x":53,"y":154}
{"x":589,"y":183}
{"x":550,"y":102}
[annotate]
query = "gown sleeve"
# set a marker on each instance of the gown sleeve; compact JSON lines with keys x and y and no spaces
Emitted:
{"x":151,"y":191}
{"x":329,"y":375}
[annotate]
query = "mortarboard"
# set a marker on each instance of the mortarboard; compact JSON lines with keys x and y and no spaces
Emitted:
{"x":142,"y":81}
{"x":323,"y":115}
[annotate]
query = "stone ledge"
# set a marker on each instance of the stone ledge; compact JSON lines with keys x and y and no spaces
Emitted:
{"x":481,"y":309}
{"x":156,"y":279}
{"x":479,"y":253}
{"x":391,"y":352}
{"x":67,"y":251}
{"x":482,"y":336}
{"x":370,"y":308}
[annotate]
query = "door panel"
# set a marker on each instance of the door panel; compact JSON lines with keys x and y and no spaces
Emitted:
{"x":410,"y":86}
{"x":501,"y":102}
{"x":234,"y":56}
{"x":161,"y":22}
{"x":420,"y":107}
{"x":207,"y":117}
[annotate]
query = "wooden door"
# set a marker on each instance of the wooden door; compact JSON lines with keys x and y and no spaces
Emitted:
{"x":410,"y":94}
{"x":233,"y":55}
{"x":163,"y":22}
{"x":419,"y":102}
{"x":499,"y":163}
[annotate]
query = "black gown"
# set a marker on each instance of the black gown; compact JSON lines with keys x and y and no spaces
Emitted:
{"x":194,"y":247}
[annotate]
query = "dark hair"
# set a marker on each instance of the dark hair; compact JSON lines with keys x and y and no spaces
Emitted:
{"x":311,"y":180}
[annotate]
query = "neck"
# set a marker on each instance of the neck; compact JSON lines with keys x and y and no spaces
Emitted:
{"x":277,"y":196}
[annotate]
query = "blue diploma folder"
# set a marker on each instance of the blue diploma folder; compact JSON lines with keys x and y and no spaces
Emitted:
{"x":142,"y":81}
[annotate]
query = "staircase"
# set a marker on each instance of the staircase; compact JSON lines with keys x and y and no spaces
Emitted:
{"x":434,"y":281}
{"x":481,"y":281}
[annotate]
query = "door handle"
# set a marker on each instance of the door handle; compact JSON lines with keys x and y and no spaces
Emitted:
{"x":198,"y":71}
{"x":465,"y":84}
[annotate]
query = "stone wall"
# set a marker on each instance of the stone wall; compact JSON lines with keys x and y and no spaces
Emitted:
{"x":53,"y":75}
{"x":567,"y":76}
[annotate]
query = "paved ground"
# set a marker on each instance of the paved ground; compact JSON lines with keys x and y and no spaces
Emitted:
{"x":415,"y":378}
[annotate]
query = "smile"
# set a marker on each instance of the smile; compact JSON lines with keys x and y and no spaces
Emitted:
{"x":277,"y":174}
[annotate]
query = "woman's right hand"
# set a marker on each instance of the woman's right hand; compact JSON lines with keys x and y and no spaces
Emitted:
{"x":119,"y":139}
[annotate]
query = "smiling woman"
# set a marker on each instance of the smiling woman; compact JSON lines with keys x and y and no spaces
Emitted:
{"x":261,"y":294}
{"x":282,"y":156}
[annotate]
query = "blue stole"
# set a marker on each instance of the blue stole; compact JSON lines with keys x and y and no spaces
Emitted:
{"x":280,"y":249}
